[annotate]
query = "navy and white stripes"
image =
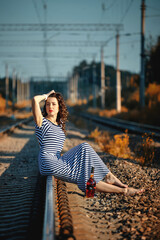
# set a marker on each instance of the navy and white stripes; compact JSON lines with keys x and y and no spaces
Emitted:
{"x":75,"y":165}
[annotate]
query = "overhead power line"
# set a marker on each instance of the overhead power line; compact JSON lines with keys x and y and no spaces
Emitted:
{"x":127,"y":9}
{"x":37,"y":12}
{"x":111,"y":5}
{"x":154,"y":8}
{"x":49,"y":55}
{"x":148,"y":16}
{"x":60,"y":27}
{"x":29,"y":43}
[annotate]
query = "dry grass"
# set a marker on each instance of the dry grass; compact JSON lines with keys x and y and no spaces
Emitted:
{"x":3,"y":104}
{"x":106,"y":112}
{"x":145,"y":152}
{"x":12,"y":114}
{"x":20,"y":105}
{"x":119,"y":146}
{"x":153,"y":94}
{"x":79,"y":102}
{"x":131,"y":110}
{"x":95,"y":134}
{"x":23,"y":104}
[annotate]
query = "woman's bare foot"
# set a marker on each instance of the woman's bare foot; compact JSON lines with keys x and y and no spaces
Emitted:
{"x":111,"y":179}
{"x":132,"y":191}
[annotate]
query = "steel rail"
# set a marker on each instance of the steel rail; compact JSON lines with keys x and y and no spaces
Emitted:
{"x":119,"y":124}
{"x":11,"y":127}
{"x":66,"y":230}
{"x":48,"y":231}
{"x":49,"y":221}
{"x":48,"y":228}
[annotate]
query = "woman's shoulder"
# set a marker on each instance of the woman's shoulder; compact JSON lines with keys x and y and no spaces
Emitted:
{"x":44,"y":122}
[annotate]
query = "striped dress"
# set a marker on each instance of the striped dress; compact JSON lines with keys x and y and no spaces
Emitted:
{"x":73,"y":166}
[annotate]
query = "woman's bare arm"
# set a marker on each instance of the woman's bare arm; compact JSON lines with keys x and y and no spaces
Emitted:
{"x":37,"y":114}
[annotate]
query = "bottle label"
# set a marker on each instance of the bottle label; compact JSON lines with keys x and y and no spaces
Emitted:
{"x":90,"y":188}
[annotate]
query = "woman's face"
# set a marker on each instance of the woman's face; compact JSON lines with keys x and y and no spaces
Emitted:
{"x":52,"y":106}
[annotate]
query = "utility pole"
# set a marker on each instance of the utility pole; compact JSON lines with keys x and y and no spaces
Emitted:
{"x":142,"y":73}
{"x":28,"y":89}
{"x":75,"y":83}
{"x":18,"y":89}
{"x":102,"y":80}
{"x":7,"y":86}
{"x":13,"y":87}
{"x":72,"y":89}
{"x":118,"y":77}
{"x":22,"y":88}
{"x":94,"y":87}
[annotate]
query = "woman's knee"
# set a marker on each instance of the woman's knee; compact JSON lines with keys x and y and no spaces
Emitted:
{"x":85,"y":144}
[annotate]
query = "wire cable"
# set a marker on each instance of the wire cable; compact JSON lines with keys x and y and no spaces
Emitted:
{"x":127,"y":9}
{"x":36,"y":9}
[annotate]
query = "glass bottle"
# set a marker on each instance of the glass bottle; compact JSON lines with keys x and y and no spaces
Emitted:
{"x":91,"y":185}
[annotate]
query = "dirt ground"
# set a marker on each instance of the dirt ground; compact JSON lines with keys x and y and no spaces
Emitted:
{"x":113,"y":216}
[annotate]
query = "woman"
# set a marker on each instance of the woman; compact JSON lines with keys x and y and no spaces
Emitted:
{"x":75,"y":165}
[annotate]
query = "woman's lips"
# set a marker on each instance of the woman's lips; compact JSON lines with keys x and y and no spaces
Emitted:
{"x":50,"y":110}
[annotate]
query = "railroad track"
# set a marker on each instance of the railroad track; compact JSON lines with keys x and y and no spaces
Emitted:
{"x":11,"y":128}
{"x":122,"y":125}
{"x":28,"y":204}
{"x":57,"y":207}
{"x":39,"y":206}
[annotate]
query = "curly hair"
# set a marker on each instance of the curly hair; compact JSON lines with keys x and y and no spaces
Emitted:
{"x":62,"y":114}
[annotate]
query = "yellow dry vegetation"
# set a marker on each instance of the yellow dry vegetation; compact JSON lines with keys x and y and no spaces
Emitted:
{"x":145,"y":152}
{"x":153,"y":94}
{"x":3,"y":104}
{"x":153,"y":90}
{"x":118,"y":145}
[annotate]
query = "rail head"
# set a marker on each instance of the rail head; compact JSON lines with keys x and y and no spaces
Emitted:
{"x":132,"y":127}
{"x":13,"y":126}
{"x":48,"y":225}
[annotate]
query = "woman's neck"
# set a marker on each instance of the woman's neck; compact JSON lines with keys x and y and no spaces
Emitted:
{"x":52,"y":119}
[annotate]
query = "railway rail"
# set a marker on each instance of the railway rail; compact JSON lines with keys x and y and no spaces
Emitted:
{"x":13,"y":126}
{"x":122,"y":125}
{"x":28,"y":209}
{"x":22,"y":188}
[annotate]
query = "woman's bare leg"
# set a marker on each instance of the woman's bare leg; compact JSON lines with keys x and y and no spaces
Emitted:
{"x":111,"y":179}
{"x":109,"y":188}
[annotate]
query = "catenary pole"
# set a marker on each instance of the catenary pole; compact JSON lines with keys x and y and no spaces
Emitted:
{"x":7,"y":86}
{"x":118,"y":77}
{"x":13,"y":87}
{"x":94,"y":86}
{"x":142,"y":71}
{"x":102,"y":80}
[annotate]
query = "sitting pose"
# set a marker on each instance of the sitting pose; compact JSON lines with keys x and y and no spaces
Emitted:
{"x":75,"y":165}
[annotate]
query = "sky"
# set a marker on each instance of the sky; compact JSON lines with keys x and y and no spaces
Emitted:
{"x":55,"y":52}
